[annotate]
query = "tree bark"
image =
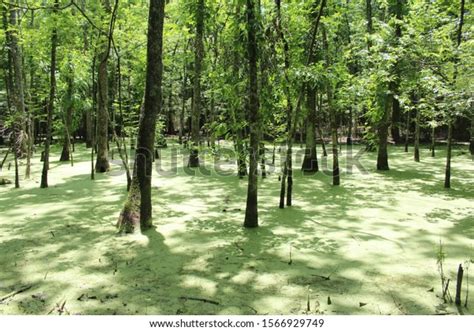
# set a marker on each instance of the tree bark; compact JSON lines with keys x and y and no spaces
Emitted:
{"x":471,"y":143}
{"x":66,"y":151}
{"x":407,"y":132}
{"x":447,"y":178}
{"x":433,"y":141}
{"x":382,"y":132}
{"x":102,"y":161}
{"x":447,"y":175}
{"x":196,"y":110}
{"x":251,"y":211}
{"x":137,"y":212}
{"x":395,"y":130}
{"x":417,"y":136}
{"x":310,"y":161}
{"x":52,"y":95}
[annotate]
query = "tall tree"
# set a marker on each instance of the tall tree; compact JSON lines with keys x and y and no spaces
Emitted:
{"x":251,"y":211}
{"x":102,"y":163}
{"x":137,"y":212}
{"x":447,"y":177}
{"x":52,"y":96}
{"x":196,"y":110}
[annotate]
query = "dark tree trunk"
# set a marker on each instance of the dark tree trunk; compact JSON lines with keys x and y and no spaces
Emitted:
{"x":137,"y":212}
{"x":407,"y":132}
{"x":447,"y":177}
{"x":196,"y":110}
{"x":382,"y":132}
{"x":433,"y":141}
{"x":310,"y":161}
{"x":66,"y":152}
{"x":183,"y":101}
{"x":398,"y":10}
{"x":251,"y":210}
{"x":471,"y":144}
{"x":417,"y":136}
{"x":102,"y":161}
{"x":52,"y":95}
{"x":336,"y":180}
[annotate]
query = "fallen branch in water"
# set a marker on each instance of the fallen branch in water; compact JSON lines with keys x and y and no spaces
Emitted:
{"x":200,"y":299}
{"x":12,"y":294}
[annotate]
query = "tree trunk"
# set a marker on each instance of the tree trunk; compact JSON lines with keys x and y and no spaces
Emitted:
{"x":137,"y":211}
{"x":447,"y":177}
{"x":398,"y":9}
{"x":407,"y":132}
{"x":336,"y":180}
{"x":52,"y":95}
{"x":471,"y":144}
{"x":382,"y":131}
{"x":102,"y":161}
{"x":417,"y":136}
{"x":310,"y":161}
{"x":196,"y":110}
{"x":433,"y":141}
{"x":251,"y":211}
{"x":66,"y":152}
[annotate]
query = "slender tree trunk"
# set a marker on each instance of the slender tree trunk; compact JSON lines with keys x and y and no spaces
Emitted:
{"x":382,"y":132}
{"x":251,"y":210}
{"x":52,"y":95}
{"x":93,"y":117}
{"x":349,"y":131}
{"x":321,"y":136}
{"x":15,"y":60}
{"x":184,"y":97}
{"x":471,"y":144}
{"x":29,"y":120}
{"x":66,"y":151}
{"x":398,"y":11}
{"x":417,"y":136}
{"x":433,"y":141}
{"x":447,"y":177}
{"x":310,"y":161}
{"x":137,"y":212}
{"x":407,"y":132}
{"x":336,"y":180}
{"x":196,"y":111}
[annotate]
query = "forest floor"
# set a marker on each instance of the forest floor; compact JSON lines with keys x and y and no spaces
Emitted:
{"x":366,"y":247}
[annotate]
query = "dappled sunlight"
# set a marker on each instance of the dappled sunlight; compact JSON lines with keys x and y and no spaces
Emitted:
{"x":369,"y":245}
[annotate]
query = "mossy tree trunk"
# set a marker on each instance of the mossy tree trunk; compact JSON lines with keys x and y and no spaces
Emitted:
{"x":137,"y":212}
{"x":102,"y":158}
